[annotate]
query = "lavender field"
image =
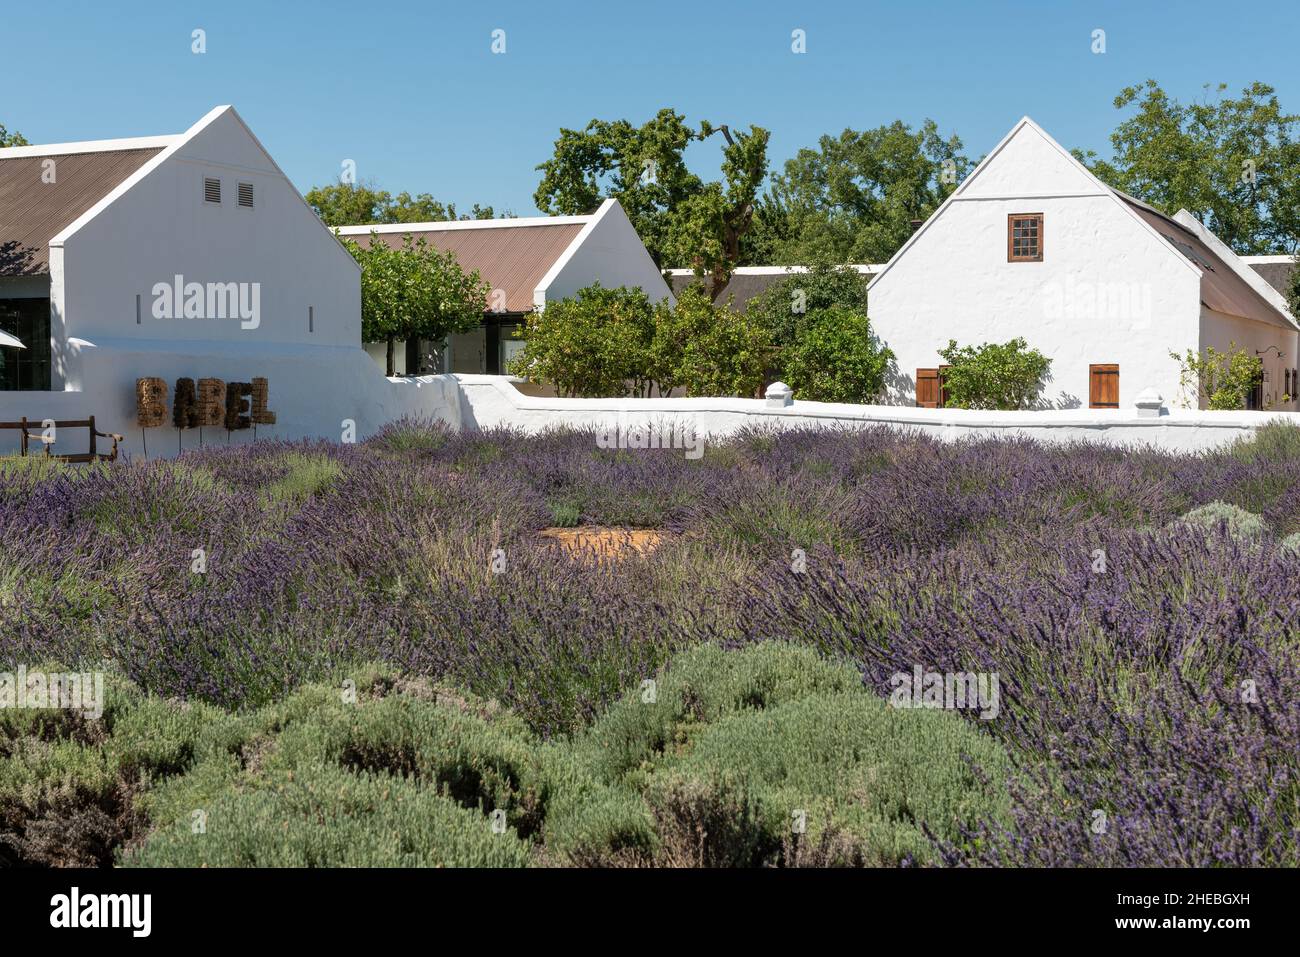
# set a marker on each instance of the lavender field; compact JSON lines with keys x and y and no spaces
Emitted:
{"x":332,"y":655}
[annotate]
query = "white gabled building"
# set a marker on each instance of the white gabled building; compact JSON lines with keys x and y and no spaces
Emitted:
{"x":104,"y":243}
{"x":1034,"y":245}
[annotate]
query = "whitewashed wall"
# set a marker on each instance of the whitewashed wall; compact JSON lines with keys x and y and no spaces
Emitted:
{"x":492,"y":401}
{"x":1105,"y":291}
{"x":608,"y":251}
{"x":160,"y":226}
{"x":1224,"y":332}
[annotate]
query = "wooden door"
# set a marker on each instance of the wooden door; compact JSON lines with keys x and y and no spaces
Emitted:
{"x":928,"y":388}
{"x":1103,"y":386}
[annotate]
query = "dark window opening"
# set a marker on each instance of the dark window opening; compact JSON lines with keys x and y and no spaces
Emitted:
{"x":1255,"y":397}
{"x":1025,"y":237}
{"x":25,"y":369}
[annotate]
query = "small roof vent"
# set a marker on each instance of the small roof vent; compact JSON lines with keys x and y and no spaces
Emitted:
{"x":246,"y":195}
{"x":211,"y":190}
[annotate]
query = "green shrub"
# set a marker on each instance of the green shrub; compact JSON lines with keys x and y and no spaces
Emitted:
{"x":68,"y":781}
{"x":708,"y":350}
{"x":1221,"y":379}
{"x":993,"y":375}
{"x":307,"y":477}
{"x":32,"y":468}
{"x":409,"y":434}
{"x":782,"y":307}
{"x":407,"y":775}
{"x":835,"y":357}
{"x":709,"y":766}
{"x":1237,"y":521}
{"x":735,"y":746}
{"x":331,"y":817}
{"x":1290,"y":545}
{"x":1274,"y":442}
{"x":593,"y":344}
{"x":565,"y":513}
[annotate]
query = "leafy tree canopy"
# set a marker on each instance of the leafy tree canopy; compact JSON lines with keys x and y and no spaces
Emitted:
{"x":359,"y":204}
{"x":1232,"y":162}
{"x":11,"y":139}
{"x":415,"y":291}
{"x":780,"y":308}
{"x":683,"y":220}
{"x":854,"y":197}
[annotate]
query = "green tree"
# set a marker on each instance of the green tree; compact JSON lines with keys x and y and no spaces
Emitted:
{"x":358,"y":204}
{"x":414,"y":292}
{"x":682,"y":219}
{"x":835,"y":357}
{"x":708,"y":350}
{"x":854,"y":197}
{"x":1233,"y":163}
{"x":781,"y":307}
{"x":1222,"y":379}
{"x":1007,"y":375}
{"x":596,"y":343}
{"x":11,"y":139}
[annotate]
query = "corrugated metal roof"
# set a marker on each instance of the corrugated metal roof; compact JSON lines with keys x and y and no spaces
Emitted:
{"x":511,"y":258}
{"x":1221,"y":288}
{"x":34,"y":211}
{"x":741,"y":289}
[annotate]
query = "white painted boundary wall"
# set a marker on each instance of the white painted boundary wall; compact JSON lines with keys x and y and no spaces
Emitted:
{"x":491,"y":401}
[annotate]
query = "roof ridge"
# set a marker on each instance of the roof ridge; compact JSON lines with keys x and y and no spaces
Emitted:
{"x":122,"y":145}
{"x":516,"y":222}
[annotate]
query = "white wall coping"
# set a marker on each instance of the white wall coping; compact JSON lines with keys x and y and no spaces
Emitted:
{"x":1099,"y":419}
{"x":865,"y":269}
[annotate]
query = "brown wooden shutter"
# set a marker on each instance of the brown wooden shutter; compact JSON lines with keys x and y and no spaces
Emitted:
{"x":927,"y":388}
{"x":1103,"y":386}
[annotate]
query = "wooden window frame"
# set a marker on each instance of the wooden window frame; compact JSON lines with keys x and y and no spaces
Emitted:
{"x":1093,"y":369}
{"x":1011,"y":235}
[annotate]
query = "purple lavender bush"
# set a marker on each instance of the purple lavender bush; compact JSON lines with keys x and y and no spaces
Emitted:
{"x":1147,"y":662}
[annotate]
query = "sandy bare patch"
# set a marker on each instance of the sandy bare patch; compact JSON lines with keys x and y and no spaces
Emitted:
{"x":596,"y":541}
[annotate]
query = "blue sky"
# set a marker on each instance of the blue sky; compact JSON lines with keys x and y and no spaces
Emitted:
{"x":413,"y":93}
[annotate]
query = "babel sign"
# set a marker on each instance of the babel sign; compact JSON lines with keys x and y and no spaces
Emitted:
{"x":211,"y":402}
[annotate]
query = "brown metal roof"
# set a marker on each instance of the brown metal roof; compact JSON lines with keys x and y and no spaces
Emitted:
{"x":1221,"y":288}
{"x":740,"y":290}
{"x":1277,"y":275}
{"x":512,"y":258}
{"x":32,"y":211}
